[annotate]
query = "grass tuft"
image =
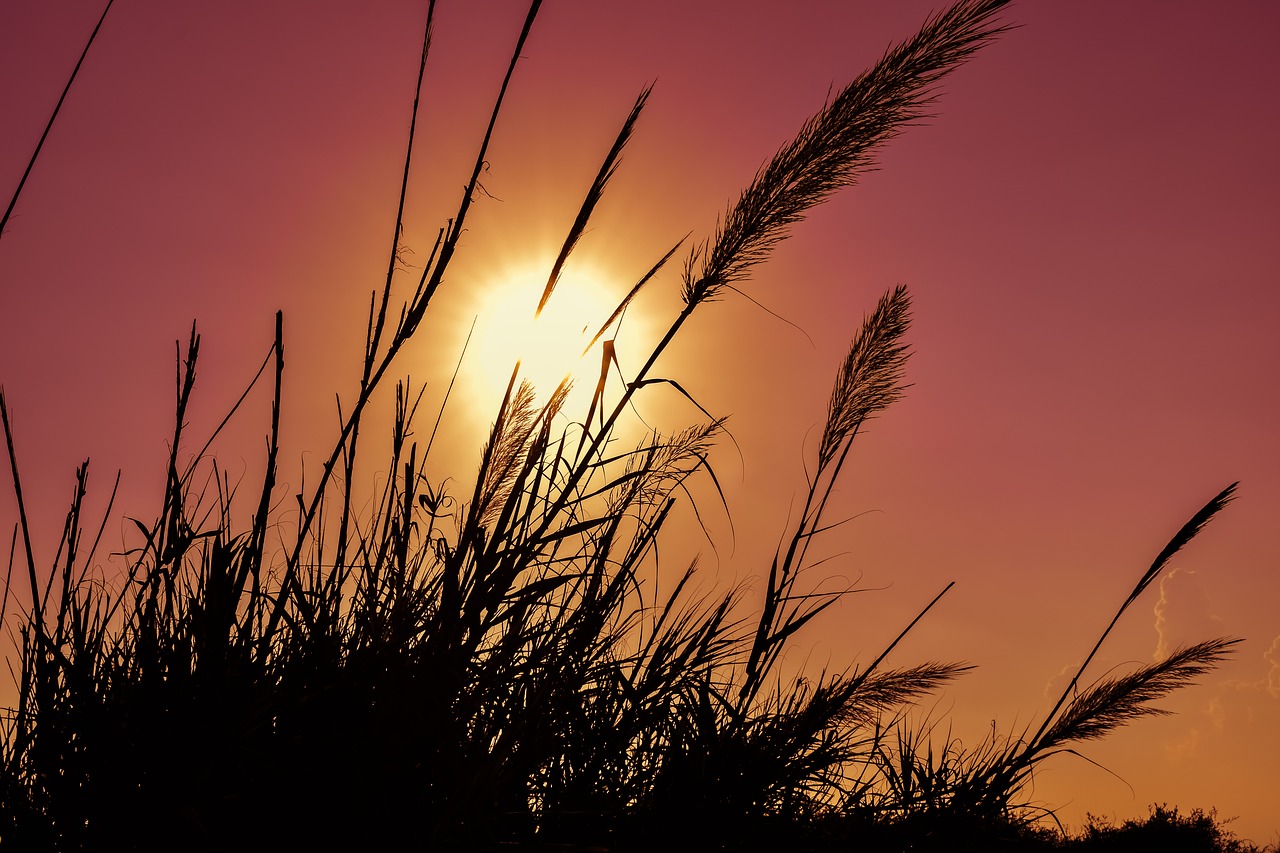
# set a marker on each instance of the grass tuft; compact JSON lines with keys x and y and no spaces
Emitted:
{"x":492,"y":664}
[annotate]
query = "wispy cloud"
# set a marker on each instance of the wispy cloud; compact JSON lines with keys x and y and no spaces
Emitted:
{"x":1272,"y":657}
{"x":1238,"y":705}
{"x":1183,"y":614}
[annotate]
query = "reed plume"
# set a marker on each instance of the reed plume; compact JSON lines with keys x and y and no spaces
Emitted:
{"x":838,"y":143}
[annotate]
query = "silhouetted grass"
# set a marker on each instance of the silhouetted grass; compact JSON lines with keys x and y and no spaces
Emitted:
{"x":494,"y":666}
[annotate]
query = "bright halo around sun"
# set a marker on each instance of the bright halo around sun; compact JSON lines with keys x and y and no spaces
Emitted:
{"x":550,"y":347}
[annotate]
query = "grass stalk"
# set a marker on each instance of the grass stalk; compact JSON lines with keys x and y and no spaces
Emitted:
{"x":35,"y":155}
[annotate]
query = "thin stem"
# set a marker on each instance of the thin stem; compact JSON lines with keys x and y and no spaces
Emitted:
{"x":57,"y":109}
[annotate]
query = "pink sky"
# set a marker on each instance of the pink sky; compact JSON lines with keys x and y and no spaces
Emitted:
{"x":1088,"y":228}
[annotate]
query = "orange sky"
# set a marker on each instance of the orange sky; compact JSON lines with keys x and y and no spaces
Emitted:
{"x":1088,"y":228}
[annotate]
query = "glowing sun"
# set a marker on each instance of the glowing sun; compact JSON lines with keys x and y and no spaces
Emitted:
{"x":550,"y":346}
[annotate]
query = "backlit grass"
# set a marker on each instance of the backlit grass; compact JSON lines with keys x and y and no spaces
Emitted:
{"x":491,"y":663}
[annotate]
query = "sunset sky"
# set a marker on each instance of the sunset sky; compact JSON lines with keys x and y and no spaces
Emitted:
{"x":1088,"y":227}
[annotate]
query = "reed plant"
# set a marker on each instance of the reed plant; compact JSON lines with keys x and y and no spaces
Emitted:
{"x":489,"y":665}
{"x":983,"y":783}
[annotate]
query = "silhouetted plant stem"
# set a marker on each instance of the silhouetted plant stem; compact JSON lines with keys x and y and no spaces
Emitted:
{"x":8,"y":211}
{"x":394,"y":256}
{"x":28,"y":552}
{"x":258,"y":532}
{"x":1184,"y":535}
{"x":593,"y":196}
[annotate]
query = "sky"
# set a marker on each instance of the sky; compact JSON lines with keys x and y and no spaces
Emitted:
{"x":1086,"y":226}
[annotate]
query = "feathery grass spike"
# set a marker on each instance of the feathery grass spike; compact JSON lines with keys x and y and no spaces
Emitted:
{"x":838,"y":143}
{"x":594,"y":194}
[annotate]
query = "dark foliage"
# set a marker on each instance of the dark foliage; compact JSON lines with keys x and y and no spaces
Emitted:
{"x":495,"y":668}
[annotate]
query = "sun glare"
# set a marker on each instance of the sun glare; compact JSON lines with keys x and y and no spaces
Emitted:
{"x":548,"y":348}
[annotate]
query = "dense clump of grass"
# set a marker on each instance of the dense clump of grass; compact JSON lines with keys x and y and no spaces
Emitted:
{"x":496,"y":666}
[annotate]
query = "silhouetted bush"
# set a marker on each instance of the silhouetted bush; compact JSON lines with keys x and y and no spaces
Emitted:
{"x":1164,"y":829}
